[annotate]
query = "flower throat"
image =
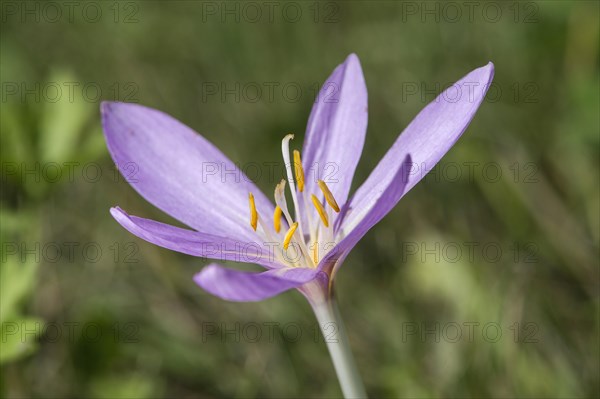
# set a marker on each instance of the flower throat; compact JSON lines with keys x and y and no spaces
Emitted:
{"x":320,"y":238}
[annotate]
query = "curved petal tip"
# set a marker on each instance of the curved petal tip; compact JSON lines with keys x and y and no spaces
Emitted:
{"x":352,"y":57}
{"x":488,"y":69}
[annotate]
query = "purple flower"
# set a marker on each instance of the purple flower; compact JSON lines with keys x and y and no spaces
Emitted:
{"x":302,"y":242}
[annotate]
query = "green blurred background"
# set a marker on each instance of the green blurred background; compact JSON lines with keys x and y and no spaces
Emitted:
{"x":89,"y":310}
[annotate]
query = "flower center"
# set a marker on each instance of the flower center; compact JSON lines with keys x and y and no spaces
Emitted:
{"x":309,"y":248}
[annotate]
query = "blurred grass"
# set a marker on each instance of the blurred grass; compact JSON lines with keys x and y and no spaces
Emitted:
{"x":156,"y":311}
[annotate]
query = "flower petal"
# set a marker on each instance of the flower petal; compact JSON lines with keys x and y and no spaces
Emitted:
{"x":180,"y":172}
{"x":384,"y":198}
{"x":195,"y":243}
{"x":241,"y":286}
{"x":426,"y":139}
{"x":336,"y":131}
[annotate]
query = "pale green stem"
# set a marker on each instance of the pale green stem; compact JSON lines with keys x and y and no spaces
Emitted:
{"x":337,"y":342}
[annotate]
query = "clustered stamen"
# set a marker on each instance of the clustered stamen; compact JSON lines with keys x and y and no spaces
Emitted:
{"x":289,"y":235}
{"x":277,"y":219}
{"x":253,"y":212}
{"x":328,"y":196}
{"x":299,"y":170}
{"x":320,"y":210}
{"x":322,"y":228}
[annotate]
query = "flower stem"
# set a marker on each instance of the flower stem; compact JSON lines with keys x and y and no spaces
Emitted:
{"x":334,"y":333}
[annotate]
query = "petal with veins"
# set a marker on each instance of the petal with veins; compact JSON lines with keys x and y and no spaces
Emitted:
{"x":180,"y":172}
{"x":336,"y":131}
{"x":426,"y":139}
{"x":195,"y":243}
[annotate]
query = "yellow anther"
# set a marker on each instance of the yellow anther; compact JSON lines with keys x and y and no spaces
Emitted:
{"x":320,"y":209}
{"x":299,"y":170}
{"x":328,"y":196}
{"x":277,"y":219}
{"x":289,"y":235}
{"x":253,"y":213}
{"x":316,"y":253}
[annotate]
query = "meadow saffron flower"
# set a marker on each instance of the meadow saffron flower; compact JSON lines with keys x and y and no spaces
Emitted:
{"x":303,"y":242}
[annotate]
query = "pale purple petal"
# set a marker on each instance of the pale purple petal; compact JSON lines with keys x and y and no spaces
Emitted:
{"x":336,"y":131}
{"x":196,"y":243}
{"x":180,"y":172}
{"x":385,"y":197}
{"x":426,"y":139}
{"x":242,"y":286}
